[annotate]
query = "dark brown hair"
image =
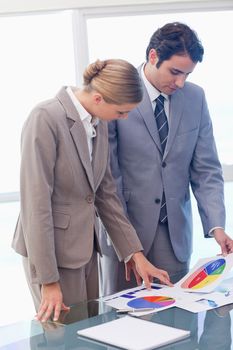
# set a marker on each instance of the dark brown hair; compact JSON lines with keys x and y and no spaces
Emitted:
{"x":175,"y":39}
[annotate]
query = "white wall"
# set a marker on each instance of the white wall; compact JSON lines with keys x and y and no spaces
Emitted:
{"x":16,"y":6}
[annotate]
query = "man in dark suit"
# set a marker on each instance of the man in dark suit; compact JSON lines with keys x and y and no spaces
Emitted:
{"x":155,"y":165}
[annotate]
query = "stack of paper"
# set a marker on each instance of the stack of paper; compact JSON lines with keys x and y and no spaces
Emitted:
{"x":134,"y":334}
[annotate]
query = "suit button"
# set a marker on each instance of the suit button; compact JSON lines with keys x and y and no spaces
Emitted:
{"x":89,"y":199}
{"x":164,"y":164}
{"x":157,"y":200}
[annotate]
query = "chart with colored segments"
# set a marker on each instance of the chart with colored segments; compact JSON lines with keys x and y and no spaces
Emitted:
{"x":205,"y":275}
{"x":156,"y":302}
{"x":142,"y":298}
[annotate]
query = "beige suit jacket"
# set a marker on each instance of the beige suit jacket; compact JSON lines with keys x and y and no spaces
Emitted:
{"x":61,"y":192}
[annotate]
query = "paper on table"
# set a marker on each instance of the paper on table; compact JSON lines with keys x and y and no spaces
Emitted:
{"x":140,"y":297}
{"x":159,"y":298}
{"x":154,"y":286}
{"x":134,"y":334}
{"x":208,"y":301}
{"x":207,"y":274}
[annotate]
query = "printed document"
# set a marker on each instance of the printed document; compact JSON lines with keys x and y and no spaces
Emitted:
{"x":134,"y":334}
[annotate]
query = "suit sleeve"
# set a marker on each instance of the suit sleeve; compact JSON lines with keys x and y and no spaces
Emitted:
{"x":206,"y":176}
{"x":111,"y":212}
{"x":114,"y":164}
{"x":38,"y":157}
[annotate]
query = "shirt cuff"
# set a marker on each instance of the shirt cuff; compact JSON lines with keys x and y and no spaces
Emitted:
{"x":127,"y":259}
{"x":211,"y":232}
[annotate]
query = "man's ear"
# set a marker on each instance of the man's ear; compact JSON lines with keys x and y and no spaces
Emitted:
{"x":97,"y":98}
{"x":153,"y":57}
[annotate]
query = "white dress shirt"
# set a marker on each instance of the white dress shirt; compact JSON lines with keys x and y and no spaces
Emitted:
{"x":88,"y":121}
{"x":154,"y":93}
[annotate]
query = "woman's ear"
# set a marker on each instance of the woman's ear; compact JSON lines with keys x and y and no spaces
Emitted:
{"x":97,"y":98}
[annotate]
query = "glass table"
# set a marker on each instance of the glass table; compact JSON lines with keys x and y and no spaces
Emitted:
{"x":208,"y":330}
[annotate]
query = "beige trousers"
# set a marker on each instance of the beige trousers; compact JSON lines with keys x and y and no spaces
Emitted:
{"x":76,"y":284}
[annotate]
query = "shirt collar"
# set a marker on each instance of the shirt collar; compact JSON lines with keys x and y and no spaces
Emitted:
{"x":84,"y":115}
{"x":152,"y":91}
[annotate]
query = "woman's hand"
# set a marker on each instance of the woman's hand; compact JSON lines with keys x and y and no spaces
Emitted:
{"x":51,"y":302}
{"x":144,"y":270}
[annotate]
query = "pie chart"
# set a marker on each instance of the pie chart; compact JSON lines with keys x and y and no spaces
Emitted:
{"x":205,"y":275}
{"x":156,"y":302}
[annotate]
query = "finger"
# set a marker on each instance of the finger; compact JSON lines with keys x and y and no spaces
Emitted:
{"x":138,"y":280}
{"x":224,"y":249}
{"x":165,"y":279}
{"x":151,"y":279}
{"x":137,"y":276}
{"x":146,"y":282}
{"x":48,"y":313}
{"x":230,"y":246}
{"x":127,"y":272}
{"x":64,"y":307}
{"x":41,"y":311}
{"x":57,"y":311}
{"x":164,"y":274}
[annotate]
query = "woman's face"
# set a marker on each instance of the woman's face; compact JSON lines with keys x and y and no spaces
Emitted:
{"x":107,"y":111}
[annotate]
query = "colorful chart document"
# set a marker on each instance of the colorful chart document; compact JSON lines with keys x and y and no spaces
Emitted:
{"x":158,"y":298}
{"x":140,"y":297}
{"x":134,"y":334}
{"x":194,"y":292}
{"x":207,"y":274}
{"x":151,"y":301}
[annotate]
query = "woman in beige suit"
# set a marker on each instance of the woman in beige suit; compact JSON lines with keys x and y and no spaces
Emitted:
{"x":65,"y":184}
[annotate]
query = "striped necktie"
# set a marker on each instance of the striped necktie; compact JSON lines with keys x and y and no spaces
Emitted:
{"x":161,"y":121}
{"x":162,"y":125}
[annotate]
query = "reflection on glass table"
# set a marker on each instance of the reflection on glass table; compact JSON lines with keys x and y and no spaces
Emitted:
{"x":209,"y":330}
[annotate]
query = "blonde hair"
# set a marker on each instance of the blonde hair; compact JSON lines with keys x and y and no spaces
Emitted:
{"x":116,"y":80}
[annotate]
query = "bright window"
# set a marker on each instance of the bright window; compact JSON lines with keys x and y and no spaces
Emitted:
{"x":128,"y":36}
{"x":37,"y":58}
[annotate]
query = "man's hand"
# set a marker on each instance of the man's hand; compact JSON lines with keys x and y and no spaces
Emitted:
{"x":51,"y":302}
{"x":225,"y":242}
{"x":144,"y":270}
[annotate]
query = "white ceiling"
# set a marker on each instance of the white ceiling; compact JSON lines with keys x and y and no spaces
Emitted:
{"x":22,"y":6}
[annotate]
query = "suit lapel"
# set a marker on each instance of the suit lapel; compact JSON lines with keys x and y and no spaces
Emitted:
{"x":78,"y":134}
{"x":146,"y":112}
{"x":80,"y":140}
{"x":175,"y":114}
{"x":100,"y":152}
